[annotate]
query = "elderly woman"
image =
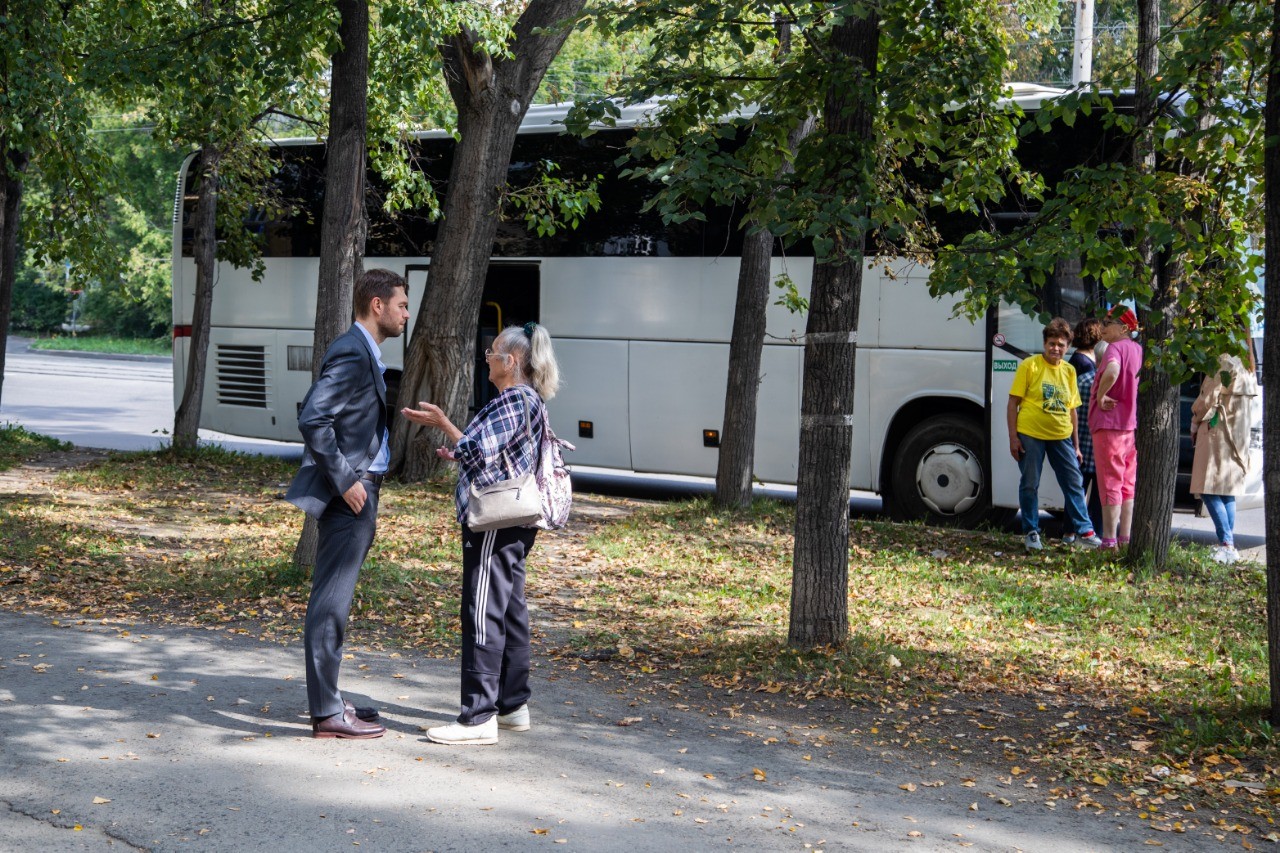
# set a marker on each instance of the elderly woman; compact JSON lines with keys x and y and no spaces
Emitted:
{"x":500,"y":443}
{"x":1221,"y":418}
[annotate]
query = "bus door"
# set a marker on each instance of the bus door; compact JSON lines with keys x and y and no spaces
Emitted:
{"x":511,"y":298}
{"x":1012,"y":338}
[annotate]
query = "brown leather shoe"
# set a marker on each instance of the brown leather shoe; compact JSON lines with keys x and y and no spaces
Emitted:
{"x":346,"y":725}
{"x":366,"y":714}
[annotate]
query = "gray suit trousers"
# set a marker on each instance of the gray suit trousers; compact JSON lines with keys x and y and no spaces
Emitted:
{"x":344,"y":540}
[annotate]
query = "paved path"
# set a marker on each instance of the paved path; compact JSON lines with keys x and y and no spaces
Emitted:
{"x":184,"y":739}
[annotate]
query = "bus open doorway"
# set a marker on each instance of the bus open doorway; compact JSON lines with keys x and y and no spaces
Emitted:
{"x":510,"y":298}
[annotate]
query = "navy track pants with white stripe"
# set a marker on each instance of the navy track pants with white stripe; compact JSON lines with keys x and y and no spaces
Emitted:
{"x":495,"y":622}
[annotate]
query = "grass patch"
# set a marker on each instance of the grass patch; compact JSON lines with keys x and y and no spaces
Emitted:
{"x":17,"y":444}
{"x":206,"y":538}
{"x":176,"y":472}
{"x":1181,"y":657}
{"x":105,"y":344}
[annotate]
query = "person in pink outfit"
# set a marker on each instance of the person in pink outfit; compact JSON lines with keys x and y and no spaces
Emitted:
{"x":1113,"y":423}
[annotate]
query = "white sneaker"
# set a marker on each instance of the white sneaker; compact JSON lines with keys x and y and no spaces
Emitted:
{"x":516,"y":721}
{"x":478,"y":734}
{"x":1225,"y":554}
{"x":1032,"y":541}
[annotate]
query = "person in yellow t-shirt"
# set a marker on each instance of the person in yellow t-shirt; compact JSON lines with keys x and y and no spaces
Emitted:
{"x":1042,"y":422}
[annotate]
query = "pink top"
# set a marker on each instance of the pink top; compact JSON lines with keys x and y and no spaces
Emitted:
{"x":1128,"y":353}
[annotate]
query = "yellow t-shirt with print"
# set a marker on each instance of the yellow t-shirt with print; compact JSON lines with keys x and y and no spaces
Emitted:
{"x":1048,"y":393}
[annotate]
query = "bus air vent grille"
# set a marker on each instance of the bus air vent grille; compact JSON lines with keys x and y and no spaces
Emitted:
{"x":243,"y":376}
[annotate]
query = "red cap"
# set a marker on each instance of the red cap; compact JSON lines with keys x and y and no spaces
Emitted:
{"x":1122,"y":314}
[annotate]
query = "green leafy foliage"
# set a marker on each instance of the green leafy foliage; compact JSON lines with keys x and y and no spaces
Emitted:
{"x":49,"y":58}
{"x":1199,"y":207}
{"x":789,"y":296}
{"x":38,"y":305}
{"x":552,"y":202}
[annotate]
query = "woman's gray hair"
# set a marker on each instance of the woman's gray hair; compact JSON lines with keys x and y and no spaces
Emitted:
{"x":535,"y":360}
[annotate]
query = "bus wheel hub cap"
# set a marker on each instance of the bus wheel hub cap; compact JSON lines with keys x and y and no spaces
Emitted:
{"x":949,"y":479}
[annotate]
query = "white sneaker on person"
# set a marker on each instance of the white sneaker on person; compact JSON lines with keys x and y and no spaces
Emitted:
{"x":478,"y":734}
{"x":516,"y":721}
{"x":1032,"y":541}
{"x":1225,"y":554}
{"x":1087,"y":540}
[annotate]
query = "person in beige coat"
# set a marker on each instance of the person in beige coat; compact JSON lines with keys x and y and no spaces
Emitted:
{"x":1220,"y":420}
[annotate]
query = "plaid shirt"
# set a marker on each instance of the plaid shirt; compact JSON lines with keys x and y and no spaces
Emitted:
{"x":494,"y":446}
{"x":1085,"y":384}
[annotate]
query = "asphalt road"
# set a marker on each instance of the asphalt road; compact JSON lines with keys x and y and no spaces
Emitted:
{"x":119,"y":404}
{"x":110,"y":402}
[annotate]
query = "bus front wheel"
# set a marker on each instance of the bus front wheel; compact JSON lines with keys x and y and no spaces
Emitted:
{"x":938,"y":475}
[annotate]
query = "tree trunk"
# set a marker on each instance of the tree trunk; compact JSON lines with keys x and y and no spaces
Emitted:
{"x":1157,"y":440}
{"x":492,"y":96}
{"x":10,"y":212}
{"x":343,"y":223}
{"x":186,"y":421}
{"x":736,"y":462}
{"x":1157,"y":404}
{"x":820,"y":587}
{"x":1271,"y":364}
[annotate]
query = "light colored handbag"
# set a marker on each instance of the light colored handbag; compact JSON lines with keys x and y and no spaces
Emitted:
{"x":554,"y":484}
{"x":507,"y":503}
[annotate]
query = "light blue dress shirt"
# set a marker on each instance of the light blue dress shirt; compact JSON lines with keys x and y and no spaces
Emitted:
{"x":383,"y":460}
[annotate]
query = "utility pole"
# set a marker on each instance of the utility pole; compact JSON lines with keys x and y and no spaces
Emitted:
{"x":1082,"y":55}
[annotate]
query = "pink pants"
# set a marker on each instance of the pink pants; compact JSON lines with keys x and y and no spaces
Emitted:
{"x":1115,"y":454}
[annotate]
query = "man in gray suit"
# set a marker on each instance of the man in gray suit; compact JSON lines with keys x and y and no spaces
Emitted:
{"x":344,"y":425}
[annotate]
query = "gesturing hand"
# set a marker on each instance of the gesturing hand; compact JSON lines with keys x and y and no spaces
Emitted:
{"x":426,"y":414}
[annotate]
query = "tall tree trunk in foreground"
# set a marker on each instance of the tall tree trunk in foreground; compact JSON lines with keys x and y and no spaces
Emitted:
{"x":1271,"y":364}
{"x":343,"y":223}
{"x":492,"y":96}
{"x":1157,"y":440}
{"x":820,"y":572}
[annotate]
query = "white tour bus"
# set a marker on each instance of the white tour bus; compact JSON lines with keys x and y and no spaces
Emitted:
{"x":641,"y":314}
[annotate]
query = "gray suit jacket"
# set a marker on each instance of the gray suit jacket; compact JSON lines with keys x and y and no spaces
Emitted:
{"x":342,"y":421}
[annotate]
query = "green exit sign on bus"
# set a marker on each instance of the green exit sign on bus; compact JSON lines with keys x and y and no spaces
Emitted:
{"x":1005,"y":365}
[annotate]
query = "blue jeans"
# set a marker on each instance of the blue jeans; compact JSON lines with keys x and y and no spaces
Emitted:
{"x":1222,"y":509}
{"x":1062,"y":459}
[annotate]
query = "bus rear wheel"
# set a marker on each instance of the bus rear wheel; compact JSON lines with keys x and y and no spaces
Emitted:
{"x":938,"y":475}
